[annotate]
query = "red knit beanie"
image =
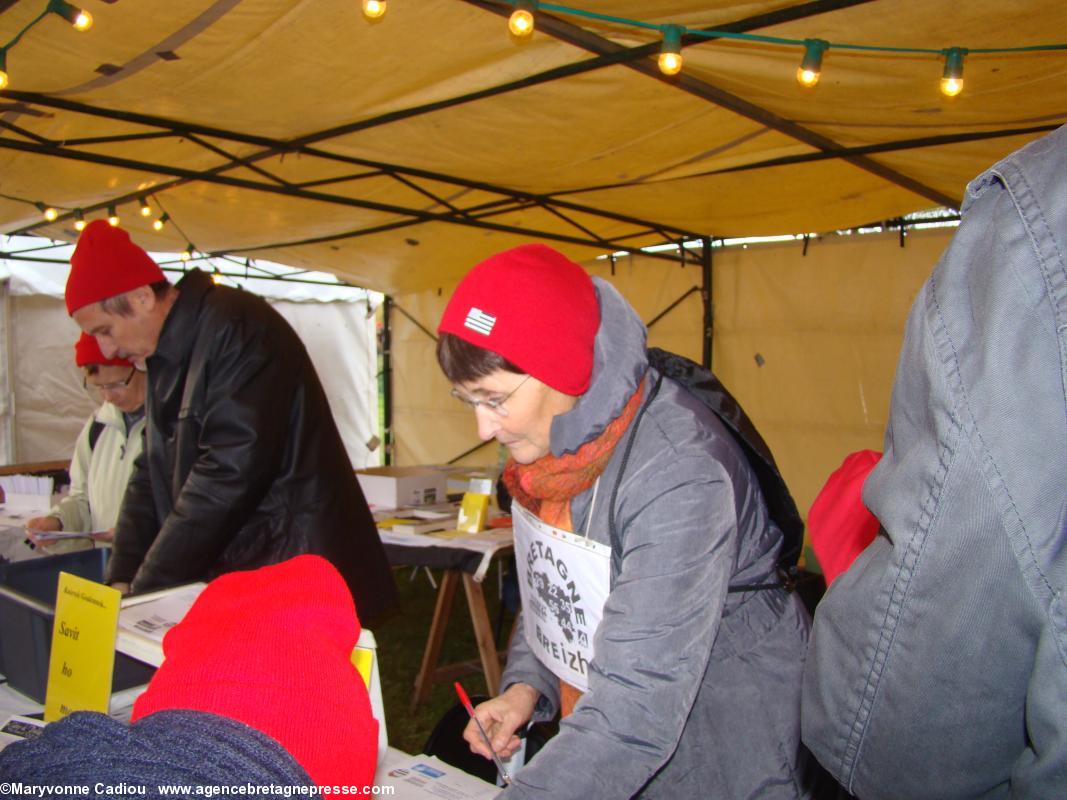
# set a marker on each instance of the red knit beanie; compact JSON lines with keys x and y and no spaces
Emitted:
{"x":106,"y":263}
{"x":536,"y":308}
{"x":839,"y":523}
{"x":271,"y":648}
{"x":87,"y":351}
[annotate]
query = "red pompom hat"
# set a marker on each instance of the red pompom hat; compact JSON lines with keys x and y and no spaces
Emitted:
{"x":272,"y":648}
{"x":106,"y":263}
{"x":536,"y":308}
{"x":87,"y":351}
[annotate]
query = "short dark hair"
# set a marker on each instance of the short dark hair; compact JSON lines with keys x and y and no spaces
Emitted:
{"x":120,"y":304}
{"x":463,"y":362}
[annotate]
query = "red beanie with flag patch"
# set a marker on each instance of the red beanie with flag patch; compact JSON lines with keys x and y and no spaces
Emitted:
{"x":536,"y":308}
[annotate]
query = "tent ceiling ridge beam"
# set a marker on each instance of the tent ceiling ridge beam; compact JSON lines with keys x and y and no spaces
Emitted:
{"x":274,"y":148}
{"x":418,"y":215}
{"x":236,"y":161}
{"x":356,"y":176}
{"x":121,"y":138}
{"x":885,"y":147}
{"x":437,"y":200}
{"x":33,"y":137}
{"x":580,"y":37}
{"x":513,"y":203}
{"x":899,"y":145}
{"x":573,"y":223}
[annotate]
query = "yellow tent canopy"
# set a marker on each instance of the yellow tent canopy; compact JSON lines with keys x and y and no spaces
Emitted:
{"x":396,"y":153}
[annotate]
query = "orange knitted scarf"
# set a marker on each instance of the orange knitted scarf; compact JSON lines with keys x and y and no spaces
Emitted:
{"x":547,"y":486}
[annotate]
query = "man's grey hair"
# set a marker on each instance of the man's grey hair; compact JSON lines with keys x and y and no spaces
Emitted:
{"x":120,"y":303}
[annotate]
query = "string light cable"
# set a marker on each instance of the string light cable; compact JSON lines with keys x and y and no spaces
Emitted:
{"x":670,"y":59}
{"x":79,"y":18}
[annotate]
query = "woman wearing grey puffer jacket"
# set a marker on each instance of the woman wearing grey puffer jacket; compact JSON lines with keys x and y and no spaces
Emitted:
{"x":683,"y":689}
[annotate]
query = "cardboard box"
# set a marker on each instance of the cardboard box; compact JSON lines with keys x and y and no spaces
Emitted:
{"x":27,"y":611}
{"x":394,"y":487}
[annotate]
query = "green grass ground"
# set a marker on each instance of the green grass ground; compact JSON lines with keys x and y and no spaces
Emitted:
{"x":401,"y":640}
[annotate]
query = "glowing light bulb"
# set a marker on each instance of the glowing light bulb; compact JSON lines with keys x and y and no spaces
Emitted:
{"x":159,"y":223}
{"x":670,"y":63}
{"x":950,"y":87}
{"x":373,"y":9}
{"x":521,"y":21}
{"x":3,"y":67}
{"x":83,"y":21}
{"x":952,"y":78}
{"x":187,"y":253}
{"x":670,"y":53}
{"x":811,"y":66}
{"x":79,"y":220}
{"x":47,"y":212}
{"x":146,"y":210}
{"x":112,"y":217}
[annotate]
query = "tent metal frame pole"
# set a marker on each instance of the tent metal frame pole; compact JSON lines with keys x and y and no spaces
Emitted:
{"x":709,"y":312}
{"x":387,"y":381}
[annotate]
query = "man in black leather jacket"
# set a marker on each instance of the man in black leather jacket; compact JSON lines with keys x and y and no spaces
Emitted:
{"x":243,"y":465}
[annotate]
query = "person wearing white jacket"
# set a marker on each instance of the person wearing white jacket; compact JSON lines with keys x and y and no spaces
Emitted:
{"x":106,"y":449}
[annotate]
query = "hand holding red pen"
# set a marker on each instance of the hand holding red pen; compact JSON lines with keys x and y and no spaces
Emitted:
{"x":500,"y":717}
{"x":500,"y":768}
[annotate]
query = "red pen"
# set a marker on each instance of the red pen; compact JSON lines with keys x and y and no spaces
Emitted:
{"x":485,"y":737}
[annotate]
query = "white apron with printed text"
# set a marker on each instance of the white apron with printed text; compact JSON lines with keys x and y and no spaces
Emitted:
{"x":564,"y":580}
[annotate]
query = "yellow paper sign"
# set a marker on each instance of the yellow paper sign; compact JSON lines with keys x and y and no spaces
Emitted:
{"x":363,"y":661}
{"x":473,"y":512}
{"x":83,"y":647}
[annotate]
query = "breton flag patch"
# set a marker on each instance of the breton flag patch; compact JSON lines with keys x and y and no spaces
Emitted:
{"x":478,"y":320}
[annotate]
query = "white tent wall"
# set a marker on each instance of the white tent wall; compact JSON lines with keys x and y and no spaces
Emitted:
{"x":51,"y":406}
{"x":341,"y":340}
{"x":827,"y":326}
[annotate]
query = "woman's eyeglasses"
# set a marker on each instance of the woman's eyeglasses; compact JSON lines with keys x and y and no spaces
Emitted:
{"x":496,"y":405}
{"x":108,"y":387}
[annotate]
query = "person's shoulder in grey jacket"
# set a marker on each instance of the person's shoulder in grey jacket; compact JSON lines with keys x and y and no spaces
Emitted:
{"x":938,"y":663}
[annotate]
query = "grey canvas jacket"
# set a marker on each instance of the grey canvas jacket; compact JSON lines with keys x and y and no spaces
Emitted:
{"x":693,"y":692}
{"x":938,"y":662}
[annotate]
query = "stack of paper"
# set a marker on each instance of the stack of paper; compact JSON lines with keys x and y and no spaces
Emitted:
{"x":26,"y":495}
{"x":145,"y":619}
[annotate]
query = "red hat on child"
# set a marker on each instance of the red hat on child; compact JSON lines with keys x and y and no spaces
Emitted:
{"x":536,"y":308}
{"x":87,"y":351}
{"x":272,"y":648}
{"x":106,"y":263}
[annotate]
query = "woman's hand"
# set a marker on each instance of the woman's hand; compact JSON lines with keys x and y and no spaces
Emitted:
{"x":501,"y":717}
{"x":103,"y":536}
{"x":42,"y":524}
